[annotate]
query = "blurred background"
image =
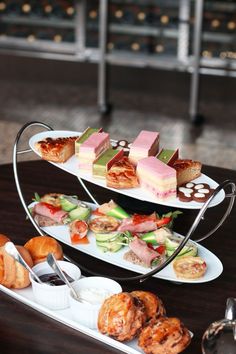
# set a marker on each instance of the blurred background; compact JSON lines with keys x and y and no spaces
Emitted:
{"x":164,"y":65}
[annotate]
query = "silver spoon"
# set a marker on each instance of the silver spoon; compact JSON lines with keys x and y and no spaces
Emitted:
{"x":11,"y":249}
{"x":57,"y":269}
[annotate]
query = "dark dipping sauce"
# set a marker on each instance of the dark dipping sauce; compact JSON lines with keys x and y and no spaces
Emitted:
{"x":54,"y":279}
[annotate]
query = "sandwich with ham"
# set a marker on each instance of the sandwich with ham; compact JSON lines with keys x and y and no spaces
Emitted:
{"x":46,"y":214}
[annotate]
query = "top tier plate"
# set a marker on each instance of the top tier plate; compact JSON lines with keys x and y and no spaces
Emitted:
{"x":71,"y":166}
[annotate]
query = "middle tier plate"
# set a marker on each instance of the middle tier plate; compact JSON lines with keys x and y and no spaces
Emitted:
{"x":61,"y":233}
{"x":71,"y":166}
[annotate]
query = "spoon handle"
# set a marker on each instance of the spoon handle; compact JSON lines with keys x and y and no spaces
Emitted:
{"x":57,"y":269}
{"x":11,"y":249}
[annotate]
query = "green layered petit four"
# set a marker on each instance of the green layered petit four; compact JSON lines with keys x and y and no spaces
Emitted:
{"x":85,"y":135}
{"x":168,"y":156}
{"x":104,"y":162}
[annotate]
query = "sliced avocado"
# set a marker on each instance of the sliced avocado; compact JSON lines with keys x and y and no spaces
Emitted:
{"x":82,"y":212}
{"x":107,"y":237}
{"x":68,"y":203}
{"x":172,"y":243}
{"x":109,"y":246}
{"x":186,"y":251}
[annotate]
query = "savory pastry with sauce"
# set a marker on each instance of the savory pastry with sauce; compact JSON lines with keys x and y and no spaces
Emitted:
{"x":121,"y":317}
{"x":56,"y":150}
{"x":153,"y":305}
{"x":189,"y":267}
{"x":104,"y":224}
{"x":164,"y":336}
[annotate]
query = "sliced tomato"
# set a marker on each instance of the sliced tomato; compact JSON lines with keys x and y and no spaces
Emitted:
{"x":161,"y":249}
{"x":76,"y":239}
{"x":51,"y":208}
{"x":97,"y":212}
{"x":163,"y":221}
{"x":78,"y":232}
{"x":138,"y":219}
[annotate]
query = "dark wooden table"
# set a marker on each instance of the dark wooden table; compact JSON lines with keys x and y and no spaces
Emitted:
{"x":24,"y":330}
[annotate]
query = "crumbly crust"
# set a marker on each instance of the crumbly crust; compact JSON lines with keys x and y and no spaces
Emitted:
{"x":187,"y":170}
{"x":56,"y":150}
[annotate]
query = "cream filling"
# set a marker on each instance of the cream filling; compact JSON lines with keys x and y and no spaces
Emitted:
{"x":157,"y":180}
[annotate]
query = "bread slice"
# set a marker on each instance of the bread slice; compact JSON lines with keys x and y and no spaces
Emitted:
{"x":56,"y":150}
{"x":187,"y":170}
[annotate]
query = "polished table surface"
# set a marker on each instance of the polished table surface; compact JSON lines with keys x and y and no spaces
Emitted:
{"x":24,"y":330}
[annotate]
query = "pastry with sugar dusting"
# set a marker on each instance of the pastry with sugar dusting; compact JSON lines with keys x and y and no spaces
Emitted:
{"x":198,"y":192}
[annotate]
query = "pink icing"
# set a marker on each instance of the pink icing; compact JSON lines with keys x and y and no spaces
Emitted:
{"x":145,"y":140}
{"x":152,"y":166}
{"x":94,"y":142}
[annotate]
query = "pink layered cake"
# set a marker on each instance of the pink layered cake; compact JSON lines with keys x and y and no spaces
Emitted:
{"x":146,"y":144}
{"x":89,"y":151}
{"x":157,"y":177}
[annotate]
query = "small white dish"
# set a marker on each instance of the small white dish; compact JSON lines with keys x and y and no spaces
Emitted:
{"x":53,"y":297}
{"x":86,"y":313}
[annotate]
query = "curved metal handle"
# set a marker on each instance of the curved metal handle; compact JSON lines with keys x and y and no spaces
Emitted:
{"x":193,"y":227}
{"x":15,"y":170}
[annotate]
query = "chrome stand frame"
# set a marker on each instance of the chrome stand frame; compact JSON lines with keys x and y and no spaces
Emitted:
{"x":194,"y":89}
{"x":142,"y":277}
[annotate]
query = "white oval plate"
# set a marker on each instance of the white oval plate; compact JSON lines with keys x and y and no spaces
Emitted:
{"x":71,"y":166}
{"x":61,"y":233}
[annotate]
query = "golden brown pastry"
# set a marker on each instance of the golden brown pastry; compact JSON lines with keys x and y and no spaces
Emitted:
{"x":164,"y":336}
{"x":56,"y":150}
{"x":3,"y":239}
{"x":153,"y":305}
{"x":40,"y":246}
{"x":12,"y":273}
{"x":121,"y":317}
{"x":104,"y":224}
{"x":122,"y":174}
{"x":187,"y":170}
{"x":189,"y":267}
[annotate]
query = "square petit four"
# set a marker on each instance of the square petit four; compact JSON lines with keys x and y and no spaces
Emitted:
{"x":168,"y":156}
{"x":83,"y":137}
{"x":104,"y":162}
{"x":94,"y":146}
{"x":146,"y":144}
{"x":157,"y":177}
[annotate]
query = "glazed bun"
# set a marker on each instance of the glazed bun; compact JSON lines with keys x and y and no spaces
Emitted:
{"x":121,"y":317}
{"x":12,"y":273}
{"x":40,"y":246}
{"x":3,"y":239}
{"x":153,"y":304}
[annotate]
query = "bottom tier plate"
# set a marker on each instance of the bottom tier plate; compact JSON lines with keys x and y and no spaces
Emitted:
{"x":64,"y":316}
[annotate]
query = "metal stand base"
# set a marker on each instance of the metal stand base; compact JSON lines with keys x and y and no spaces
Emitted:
{"x":105,"y":109}
{"x":192,"y":229}
{"x":197,"y":119}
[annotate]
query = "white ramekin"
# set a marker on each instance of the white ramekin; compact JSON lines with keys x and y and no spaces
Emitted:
{"x":85,"y":313}
{"x":53,"y":297}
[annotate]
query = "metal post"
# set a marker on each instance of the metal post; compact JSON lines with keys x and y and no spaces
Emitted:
{"x":194,"y":93}
{"x":183,"y":38}
{"x":102,"y":72}
{"x":80,"y":27}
